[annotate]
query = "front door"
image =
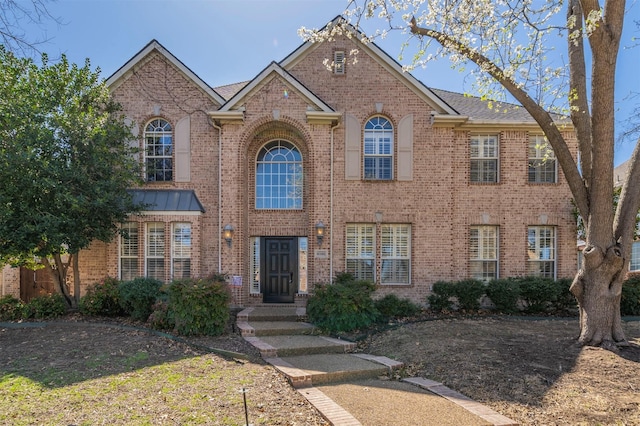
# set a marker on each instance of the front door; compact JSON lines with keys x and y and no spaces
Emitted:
{"x":280,"y":269}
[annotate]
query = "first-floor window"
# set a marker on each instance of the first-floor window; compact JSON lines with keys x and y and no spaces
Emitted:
{"x":634,"y":264}
{"x":128,"y":251}
{"x":155,"y":251}
{"x":360,"y":251}
{"x":483,"y":252}
{"x":254,"y":271}
{"x":395,"y":254}
{"x":181,"y":251}
{"x":541,"y":244}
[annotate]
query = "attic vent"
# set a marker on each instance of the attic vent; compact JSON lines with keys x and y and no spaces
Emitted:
{"x":338,"y":62}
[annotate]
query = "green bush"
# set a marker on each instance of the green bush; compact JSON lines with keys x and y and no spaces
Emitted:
{"x":565,"y":302}
{"x":47,"y":306}
{"x":504,"y":293}
{"x":138,"y":296}
{"x":441,"y":294}
{"x":161,"y":317}
{"x":468,"y":292}
{"x":102,"y":298}
{"x":199,"y":305}
{"x":539,"y":295}
{"x":11,"y":309}
{"x":391,"y":306}
{"x":345,"y":305}
{"x":630,"y":302}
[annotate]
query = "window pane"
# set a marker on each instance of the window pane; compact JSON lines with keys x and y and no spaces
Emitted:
{"x":541,"y":243}
{"x":542,"y":161}
{"x":360,"y":255}
{"x":378,"y":149}
{"x":129,"y":251}
{"x":395,"y":251}
{"x":279,"y":177}
{"x":158,"y":150}
{"x":483,"y":252}
{"x":155,"y":251}
{"x":634,"y":264}
{"x":181,"y":250}
{"x":484,"y":158}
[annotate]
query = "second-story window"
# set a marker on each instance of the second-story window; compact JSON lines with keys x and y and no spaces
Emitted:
{"x":279,"y":176}
{"x":542,"y":161}
{"x":158,"y":149}
{"x":378,"y":149}
{"x":484,"y":158}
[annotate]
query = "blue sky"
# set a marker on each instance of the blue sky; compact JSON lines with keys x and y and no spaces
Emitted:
{"x":227,"y":41}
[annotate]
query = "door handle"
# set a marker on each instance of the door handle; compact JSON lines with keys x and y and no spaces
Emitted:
{"x":290,"y":278}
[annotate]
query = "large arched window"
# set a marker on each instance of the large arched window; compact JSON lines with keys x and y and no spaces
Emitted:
{"x":158,"y":149}
{"x":378,"y":149}
{"x":279,"y":176}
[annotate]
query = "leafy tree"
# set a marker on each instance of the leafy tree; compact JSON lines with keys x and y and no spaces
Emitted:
{"x":511,"y":43}
{"x":65,"y":165}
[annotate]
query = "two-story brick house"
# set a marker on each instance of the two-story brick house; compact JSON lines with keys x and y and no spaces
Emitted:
{"x":309,"y":170}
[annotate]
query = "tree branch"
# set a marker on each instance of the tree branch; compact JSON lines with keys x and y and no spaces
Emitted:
{"x":539,"y":114}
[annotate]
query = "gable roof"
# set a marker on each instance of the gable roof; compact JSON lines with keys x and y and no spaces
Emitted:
{"x":154,"y":45}
{"x":380,"y":56}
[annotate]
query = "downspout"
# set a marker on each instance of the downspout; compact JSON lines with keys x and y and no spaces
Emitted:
{"x":331,"y":207}
{"x":219,"y":128}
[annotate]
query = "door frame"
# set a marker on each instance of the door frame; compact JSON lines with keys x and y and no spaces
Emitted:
{"x":264,"y":270}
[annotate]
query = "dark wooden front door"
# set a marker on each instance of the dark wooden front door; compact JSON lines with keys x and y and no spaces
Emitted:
{"x":35,"y":283}
{"x":280,"y":269}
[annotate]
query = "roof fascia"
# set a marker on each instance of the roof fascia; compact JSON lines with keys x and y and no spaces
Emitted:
{"x":382,"y":58}
{"x":235,"y":103}
{"x":139,"y":59}
{"x":466,"y":123}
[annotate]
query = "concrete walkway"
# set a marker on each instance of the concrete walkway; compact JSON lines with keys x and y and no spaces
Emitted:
{"x":354,"y":389}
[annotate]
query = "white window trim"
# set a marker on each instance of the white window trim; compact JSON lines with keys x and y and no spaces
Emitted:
{"x":147,"y":157}
{"x":396,"y":236}
{"x":543,"y":152}
{"x":359,"y":245}
{"x":124,"y":242}
{"x":148,"y":256}
{"x":537,"y":248}
{"x":174,"y":247}
{"x":481,"y":246}
{"x":481,"y":156}
{"x":391,"y":155}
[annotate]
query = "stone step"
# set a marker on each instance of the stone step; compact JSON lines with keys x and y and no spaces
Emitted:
{"x":275,"y":313}
{"x":293,"y":345}
{"x":274,"y":328}
{"x":311,"y":370}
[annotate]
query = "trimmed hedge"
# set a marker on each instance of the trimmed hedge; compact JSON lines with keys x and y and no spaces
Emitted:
{"x":102,"y":298}
{"x":391,"y":306}
{"x":47,"y":306}
{"x":11,"y":309}
{"x":345,"y":305}
{"x":138,"y":296}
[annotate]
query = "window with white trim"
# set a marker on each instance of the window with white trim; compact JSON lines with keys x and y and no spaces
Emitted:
{"x":484,"y":159}
{"x":395,"y":254}
{"x":338,"y":62}
{"x":378,"y":149}
{"x":360,"y":251}
{"x":181,"y":250}
{"x":542,"y":161}
{"x":154,"y":251}
{"x":483,"y":252}
{"x":634,"y":262}
{"x":128,"y":251}
{"x":541,"y":248}
{"x":158,"y":149}
{"x":279,"y":178}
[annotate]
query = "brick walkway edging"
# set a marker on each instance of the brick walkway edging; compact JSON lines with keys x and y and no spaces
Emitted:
{"x":461,"y":400}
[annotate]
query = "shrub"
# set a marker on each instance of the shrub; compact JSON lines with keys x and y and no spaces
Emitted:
{"x":538,"y":294}
{"x":565,"y":302}
{"x":47,"y":306}
{"x":391,"y":306}
{"x":138,"y":296}
{"x":102,"y":298}
{"x":161,"y":317}
{"x":468,"y":293}
{"x":10,"y":308}
{"x":440,"y":297}
{"x":345,"y":305}
{"x":504,"y":294}
{"x":199,"y":305}
{"x":630,"y":302}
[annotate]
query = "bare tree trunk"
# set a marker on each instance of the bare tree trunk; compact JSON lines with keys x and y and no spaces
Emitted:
{"x":59,"y":276}
{"x":598,"y":289}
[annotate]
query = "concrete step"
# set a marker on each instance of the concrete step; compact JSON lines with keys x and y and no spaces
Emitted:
{"x":288,"y":345}
{"x":274,"y":328}
{"x":275,"y":313}
{"x":311,"y":370}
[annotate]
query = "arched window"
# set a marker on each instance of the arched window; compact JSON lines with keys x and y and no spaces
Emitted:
{"x":378,"y":149}
{"x":158,"y":149}
{"x":279,"y":176}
